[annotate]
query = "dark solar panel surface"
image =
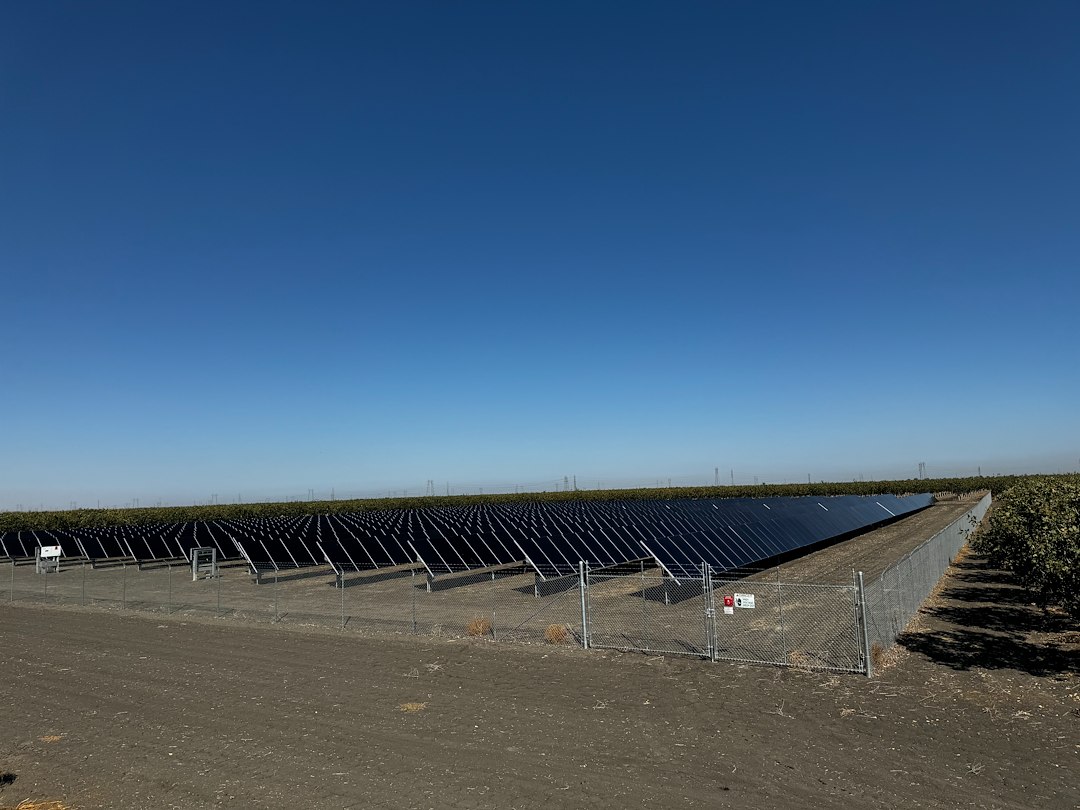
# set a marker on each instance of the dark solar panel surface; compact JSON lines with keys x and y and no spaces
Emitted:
{"x":552,"y":537}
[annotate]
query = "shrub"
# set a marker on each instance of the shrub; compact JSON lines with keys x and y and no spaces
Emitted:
{"x":1034,"y":531}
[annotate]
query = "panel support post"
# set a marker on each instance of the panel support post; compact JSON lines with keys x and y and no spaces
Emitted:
{"x":861,"y":594}
{"x":582,"y":587}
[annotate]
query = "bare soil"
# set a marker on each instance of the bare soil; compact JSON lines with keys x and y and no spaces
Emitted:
{"x":979,"y":707}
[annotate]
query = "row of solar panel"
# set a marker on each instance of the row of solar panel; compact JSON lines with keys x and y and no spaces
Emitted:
{"x":552,"y":538}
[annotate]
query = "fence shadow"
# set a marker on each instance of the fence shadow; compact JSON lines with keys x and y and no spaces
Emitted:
{"x":983,"y":618}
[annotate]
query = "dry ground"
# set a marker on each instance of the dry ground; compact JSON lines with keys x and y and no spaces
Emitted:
{"x":875,"y":551}
{"x":981,"y":708}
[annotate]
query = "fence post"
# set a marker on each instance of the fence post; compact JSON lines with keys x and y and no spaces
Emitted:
{"x":219,"y":578}
{"x":584,"y":618}
{"x":11,"y":591}
{"x":275,"y":596}
{"x":123,"y":585}
{"x":708,"y":608}
{"x":644,"y":613}
{"x":82,"y":565}
{"x":341,"y":586}
{"x":45,"y":581}
{"x":861,"y":595}
{"x":412,"y":589}
{"x":494,"y":632}
{"x":780,"y":604}
{"x":168,"y":605}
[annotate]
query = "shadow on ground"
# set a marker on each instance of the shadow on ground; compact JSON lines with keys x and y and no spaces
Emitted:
{"x":983,"y":618}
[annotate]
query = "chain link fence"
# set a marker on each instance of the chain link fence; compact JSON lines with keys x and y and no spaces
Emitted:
{"x":500,"y":605}
{"x":649,"y":612}
{"x":747,"y":616}
{"x":752,"y":619}
{"x":891,"y":601}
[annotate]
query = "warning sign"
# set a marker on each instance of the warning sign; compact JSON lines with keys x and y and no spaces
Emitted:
{"x":730,"y":611}
{"x":744,"y":600}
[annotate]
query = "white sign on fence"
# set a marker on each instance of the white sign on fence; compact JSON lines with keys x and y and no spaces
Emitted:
{"x":48,"y":552}
{"x":744,"y":600}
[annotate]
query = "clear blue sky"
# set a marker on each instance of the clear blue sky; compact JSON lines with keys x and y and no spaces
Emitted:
{"x":252,"y":249}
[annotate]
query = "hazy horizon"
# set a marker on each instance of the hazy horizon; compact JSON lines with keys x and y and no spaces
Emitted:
{"x":91,"y":500}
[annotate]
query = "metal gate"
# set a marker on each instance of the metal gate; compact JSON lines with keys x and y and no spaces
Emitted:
{"x":753,"y":620}
{"x":649,"y":612}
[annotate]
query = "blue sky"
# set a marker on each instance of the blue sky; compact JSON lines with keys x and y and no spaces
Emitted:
{"x":256,"y":249}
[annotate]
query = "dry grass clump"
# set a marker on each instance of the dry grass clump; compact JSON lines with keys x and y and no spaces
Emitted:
{"x":555,"y":634}
{"x":48,"y":804}
{"x":799,"y":660}
{"x":478,"y":627}
{"x":412,"y":707}
{"x":878,"y":656}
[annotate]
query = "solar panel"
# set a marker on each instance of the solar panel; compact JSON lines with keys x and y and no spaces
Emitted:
{"x":548,"y":537}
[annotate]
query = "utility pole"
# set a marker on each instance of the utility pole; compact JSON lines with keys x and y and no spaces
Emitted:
{"x":733,"y":476}
{"x":716,"y":476}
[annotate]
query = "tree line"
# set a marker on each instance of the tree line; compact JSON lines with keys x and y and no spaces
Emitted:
{"x":91,"y":518}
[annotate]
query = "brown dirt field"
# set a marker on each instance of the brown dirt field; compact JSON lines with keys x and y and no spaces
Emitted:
{"x":979,"y":708}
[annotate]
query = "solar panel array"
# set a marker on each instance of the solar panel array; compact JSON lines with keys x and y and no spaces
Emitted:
{"x":548,"y":537}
